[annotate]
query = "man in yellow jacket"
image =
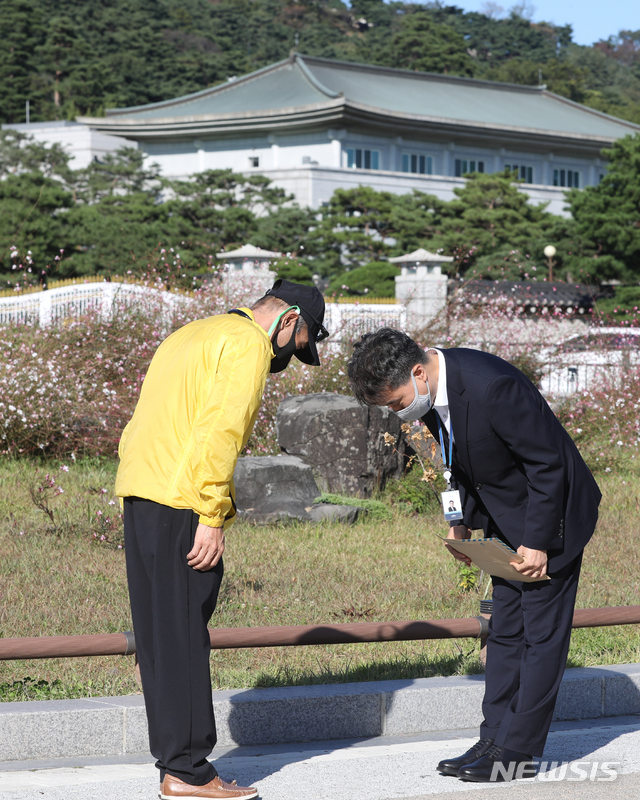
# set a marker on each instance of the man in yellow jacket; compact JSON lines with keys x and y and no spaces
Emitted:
{"x":196,"y":411}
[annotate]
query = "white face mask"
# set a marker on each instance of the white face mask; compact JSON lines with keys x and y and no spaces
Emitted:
{"x":419,"y":407}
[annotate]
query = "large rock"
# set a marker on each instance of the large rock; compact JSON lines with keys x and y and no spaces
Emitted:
{"x":272,"y":488}
{"x":342,"y":440}
{"x":269,"y":488}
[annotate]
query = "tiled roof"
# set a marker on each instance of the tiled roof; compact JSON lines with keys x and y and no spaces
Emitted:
{"x":303,"y":85}
{"x":534,"y":293}
{"x":421,"y":256}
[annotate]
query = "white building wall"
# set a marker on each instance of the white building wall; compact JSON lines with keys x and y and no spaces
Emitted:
{"x":313,"y":186}
{"x":81,"y":142}
{"x":181,"y":159}
{"x":311,"y":166}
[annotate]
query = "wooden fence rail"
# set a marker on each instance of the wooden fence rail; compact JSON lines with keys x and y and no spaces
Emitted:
{"x":123,"y":644}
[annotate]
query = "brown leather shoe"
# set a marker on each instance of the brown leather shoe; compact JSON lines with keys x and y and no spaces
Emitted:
{"x":217,"y":788}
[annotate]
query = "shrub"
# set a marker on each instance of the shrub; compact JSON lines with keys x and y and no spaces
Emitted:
{"x":605,"y":421}
{"x":377,"y":279}
{"x":72,"y":386}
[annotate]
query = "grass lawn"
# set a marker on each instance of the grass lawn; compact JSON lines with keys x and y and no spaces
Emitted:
{"x":57,"y":577}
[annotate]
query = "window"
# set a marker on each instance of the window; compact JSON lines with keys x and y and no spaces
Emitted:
{"x":363,"y":159}
{"x":414,"y":162}
{"x":566,"y":177}
{"x":254,"y":161}
{"x":463,"y":166}
{"x":524,"y":172}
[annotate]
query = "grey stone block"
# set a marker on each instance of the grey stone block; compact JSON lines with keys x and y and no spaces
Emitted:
{"x":82,"y":729}
{"x":434,"y":704}
{"x":270,"y":716}
{"x":621,"y":690}
{"x":269,"y":488}
{"x":580,"y":695}
{"x":342,"y":440}
{"x":326,"y":511}
{"x":117,"y":725}
{"x":136,"y":731}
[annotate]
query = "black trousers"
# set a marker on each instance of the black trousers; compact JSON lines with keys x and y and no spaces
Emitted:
{"x":171,"y":604}
{"x":529,"y":635}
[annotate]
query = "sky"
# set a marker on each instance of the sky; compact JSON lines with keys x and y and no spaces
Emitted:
{"x":591,"y":19}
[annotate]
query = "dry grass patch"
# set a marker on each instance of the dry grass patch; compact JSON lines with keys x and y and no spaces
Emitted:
{"x":69,"y":583}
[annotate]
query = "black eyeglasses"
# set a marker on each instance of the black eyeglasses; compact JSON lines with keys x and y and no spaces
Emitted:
{"x":322,"y":333}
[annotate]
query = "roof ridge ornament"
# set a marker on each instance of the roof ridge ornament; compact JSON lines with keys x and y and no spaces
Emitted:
{"x":299,"y":60}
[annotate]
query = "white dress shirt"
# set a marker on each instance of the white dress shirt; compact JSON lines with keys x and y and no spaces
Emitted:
{"x":441,"y":403}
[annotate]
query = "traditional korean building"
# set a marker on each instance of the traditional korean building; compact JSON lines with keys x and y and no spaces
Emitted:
{"x":313,"y":125}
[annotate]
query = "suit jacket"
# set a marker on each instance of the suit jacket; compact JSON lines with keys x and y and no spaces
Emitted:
{"x":519,"y":473}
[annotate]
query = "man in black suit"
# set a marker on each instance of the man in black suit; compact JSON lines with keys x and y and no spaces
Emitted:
{"x":521,"y":479}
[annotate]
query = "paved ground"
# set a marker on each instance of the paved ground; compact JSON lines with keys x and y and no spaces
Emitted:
{"x":398,"y":768}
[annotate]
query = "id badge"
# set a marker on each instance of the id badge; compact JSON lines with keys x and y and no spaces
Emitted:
{"x":451,"y":505}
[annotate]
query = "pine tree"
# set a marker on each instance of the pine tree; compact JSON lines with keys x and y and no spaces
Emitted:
{"x":607,"y":217}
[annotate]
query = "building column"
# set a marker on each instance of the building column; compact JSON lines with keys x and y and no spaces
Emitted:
{"x":447,"y":160}
{"x":336,"y":153}
{"x":197,"y":143}
{"x":547,"y":173}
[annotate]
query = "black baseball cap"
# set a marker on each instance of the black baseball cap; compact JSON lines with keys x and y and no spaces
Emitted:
{"x":311,"y":304}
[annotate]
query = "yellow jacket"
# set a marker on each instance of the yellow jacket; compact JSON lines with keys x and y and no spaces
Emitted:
{"x":196,"y":410}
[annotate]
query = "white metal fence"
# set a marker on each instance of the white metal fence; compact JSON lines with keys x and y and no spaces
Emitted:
{"x":352,"y":320}
{"x":43,"y":307}
{"x":563,"y":373}
{"x":75,"y":300}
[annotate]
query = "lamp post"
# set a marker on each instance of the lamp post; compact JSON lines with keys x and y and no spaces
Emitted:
{"x":550,"y":252}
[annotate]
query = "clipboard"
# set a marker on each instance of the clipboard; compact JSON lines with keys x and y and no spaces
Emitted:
{"x":493,"y":556}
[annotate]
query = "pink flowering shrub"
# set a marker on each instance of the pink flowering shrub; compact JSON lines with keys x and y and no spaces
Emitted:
{"x":72,"y":386}
{"x":605,"y":421}
{"x":503,"y":326}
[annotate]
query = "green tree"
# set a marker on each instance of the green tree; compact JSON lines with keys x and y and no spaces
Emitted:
{"x":23,"y":28}
{"x":286,"y":229}
{"x":31,"y":220}
{"x":564,"y":77}
{"x":423,"y":44}
{"x":376,"y":279}
{"x":219,"y":208}
{"x":353,"y":229}
{"x":607,"y":217}
{"x":292,"y":269}
{"x":34,"y":196}
{"x":489,"y":220}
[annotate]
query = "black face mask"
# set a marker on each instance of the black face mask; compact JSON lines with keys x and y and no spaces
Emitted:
{"x":284,"y":354}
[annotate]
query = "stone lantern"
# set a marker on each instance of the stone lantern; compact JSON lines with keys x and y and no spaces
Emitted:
{"x":421,"y":286}
{"x":247,"y":274}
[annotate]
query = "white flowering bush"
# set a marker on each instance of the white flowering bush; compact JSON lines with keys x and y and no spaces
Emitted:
{"x":71,"y":387}
{"x":605,"y":421}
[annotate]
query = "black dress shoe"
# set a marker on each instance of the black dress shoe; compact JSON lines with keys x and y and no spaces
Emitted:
{"x":498,"y":764}
{"x":451,"y":766}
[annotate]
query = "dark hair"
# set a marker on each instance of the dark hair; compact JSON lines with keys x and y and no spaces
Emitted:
{"x":381,"y":362}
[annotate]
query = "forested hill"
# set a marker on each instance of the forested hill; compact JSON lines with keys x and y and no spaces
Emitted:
{"x":70,"y":57}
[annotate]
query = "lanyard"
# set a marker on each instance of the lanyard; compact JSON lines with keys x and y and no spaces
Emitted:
{"x":444,"y":460}
{"x":447,"y":466}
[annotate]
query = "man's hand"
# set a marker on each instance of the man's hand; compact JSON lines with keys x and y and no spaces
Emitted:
{"x":208,"y":547}
{"x":459,"y":532}
{"x":534,"y":564}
